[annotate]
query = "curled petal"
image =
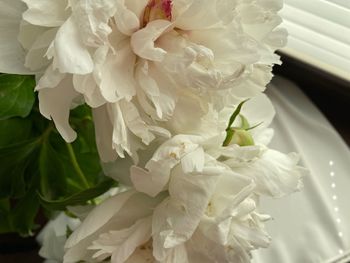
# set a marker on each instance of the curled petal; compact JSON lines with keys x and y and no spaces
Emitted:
{"x":126,"y":20}
{"x":142,"y":42}
{"x":55,"y":103}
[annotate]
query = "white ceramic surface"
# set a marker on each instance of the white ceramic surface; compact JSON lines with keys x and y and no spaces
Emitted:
{"x":313,"y":225}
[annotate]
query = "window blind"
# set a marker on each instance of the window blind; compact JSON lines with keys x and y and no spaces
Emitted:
{"x":319,"y":33}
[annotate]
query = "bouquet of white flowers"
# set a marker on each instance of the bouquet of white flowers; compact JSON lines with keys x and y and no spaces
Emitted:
{"x":180,"y":120}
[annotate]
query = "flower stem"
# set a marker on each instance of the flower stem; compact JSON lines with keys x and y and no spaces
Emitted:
{"x":76,"y":165}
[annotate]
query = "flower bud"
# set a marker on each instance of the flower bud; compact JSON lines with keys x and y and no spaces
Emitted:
{"x":242,"y":138}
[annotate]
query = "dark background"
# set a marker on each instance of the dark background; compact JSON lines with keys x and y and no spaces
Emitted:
{"x":330,"y":94}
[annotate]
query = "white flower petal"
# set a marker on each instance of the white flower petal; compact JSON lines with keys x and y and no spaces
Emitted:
{"x":51,"y":79}
{"x":47,"y":13}
{"x":94,"y":221}
{"x":144,"y":182}
{"x":104,"y":134}
{"x":138,"y":126}
{"x":259,"y":110}
{"x":137,"y":6}
{"x":237,"y":156}
{"x":121,"y":244}
{"x":55,"y":103}
{"x":163,"y":102}
{"x":35,"y":58}
{"x":164,"y":159}
{"x":193,"y":161}
{"x":126,"y":20}
{"x":117,"y":80}
{"x":121,"y":141}
{"x":53,"y":237}
{"x":119,"y":212}
{"x":176,"y":218}
{"x":181,"y":121}
{"x":201,"y":14}
{"x":275,"y":173}
{"x":12,"y":55}
{"x":29,"y":33}
{"x":92,"y":18}
{"x":86,"y":85}
{"x":178,"y":254}
{"x":142,"y":42}
{"x":142,"y":254}
{"x":71,"y":55}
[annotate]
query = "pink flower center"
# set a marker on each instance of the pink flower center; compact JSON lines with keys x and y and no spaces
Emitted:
{"x":157,"y":9}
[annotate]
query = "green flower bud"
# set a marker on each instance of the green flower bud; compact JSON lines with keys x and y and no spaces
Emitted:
{"x":241,"y":138}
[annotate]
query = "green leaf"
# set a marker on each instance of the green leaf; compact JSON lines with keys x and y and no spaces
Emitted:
{"x":255,"y":126}
{"x":16,"y":95}
{"x":52,"y":178}
{"x":24,"y":213}
{"x":14,"y":130}
{"x":81,"y":158}
{"x":229,"y":131}
{"x":18,"y":215}
{"x":5,"y":225}
{"x":4,"y":205}
{"x":34,"y":158}
{"x":14,"y":162}
{"x":235,"y":114}
{"x":228,"y":138}
{"x":79,"y":198}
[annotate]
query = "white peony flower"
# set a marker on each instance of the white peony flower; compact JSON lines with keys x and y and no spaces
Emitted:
{"x":206,"y":198}
{"x":120,"y":227}
{"x":206,"y":216}
{"x":151,"y":69}
{"x":275,"y":174}
{"x":139,"y":62}
{"x":209,"y":216}
{"x":231,"y":227}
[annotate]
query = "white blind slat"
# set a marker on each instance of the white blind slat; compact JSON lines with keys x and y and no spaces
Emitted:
{"x":319,"y":33}
{"x":319,"y":54}
{"x":325,"y":9}
{"x":316,"y":23}
{"x":329,"y":44}
{"x":342,"y":3}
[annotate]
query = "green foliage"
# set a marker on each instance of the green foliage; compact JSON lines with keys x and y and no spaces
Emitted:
{"x":79,"y":198}
{"x":16,"y":95}
{"x":38,"y":169}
